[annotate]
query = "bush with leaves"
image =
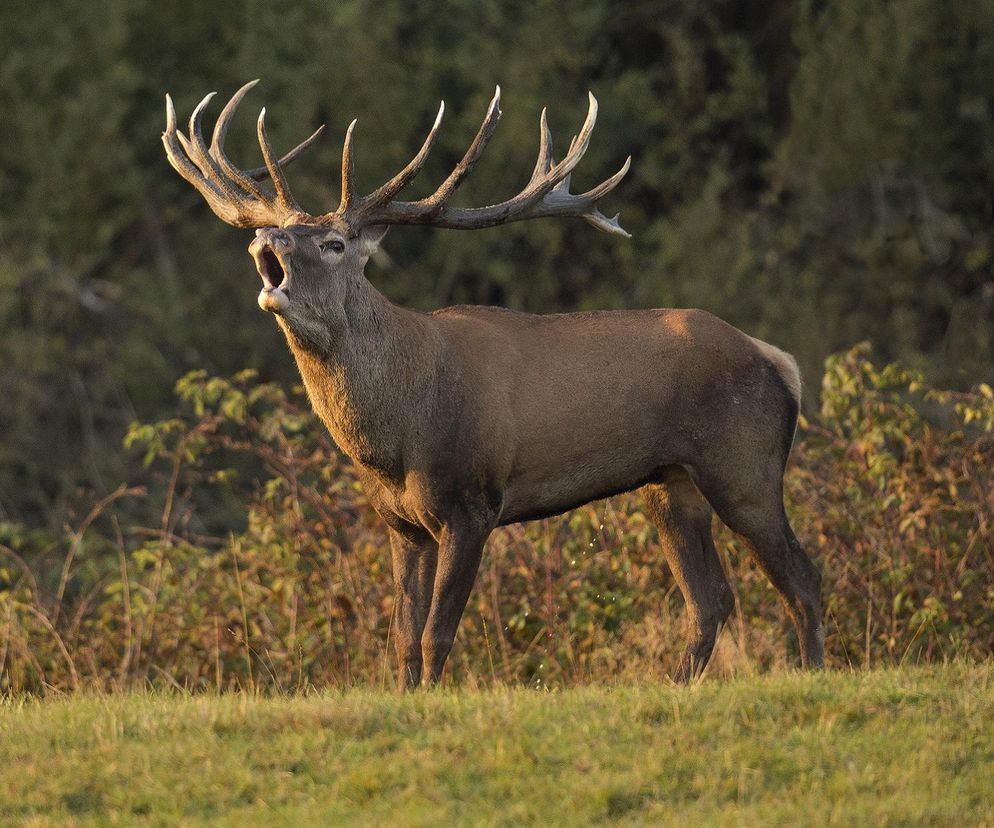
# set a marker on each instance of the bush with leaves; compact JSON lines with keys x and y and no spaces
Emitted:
{"x":890,"y":488}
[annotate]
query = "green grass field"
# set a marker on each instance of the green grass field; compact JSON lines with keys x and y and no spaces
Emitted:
{"x":908,"y":746}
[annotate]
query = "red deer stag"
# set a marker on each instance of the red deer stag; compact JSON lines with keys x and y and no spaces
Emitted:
{"x":470,"y":418}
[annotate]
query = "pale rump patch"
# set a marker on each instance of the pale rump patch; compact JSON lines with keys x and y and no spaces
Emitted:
{"x":786,"y":366}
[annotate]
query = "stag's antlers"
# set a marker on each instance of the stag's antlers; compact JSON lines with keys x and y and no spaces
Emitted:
{"x":236,"y":198}
{"x":231,"y":193}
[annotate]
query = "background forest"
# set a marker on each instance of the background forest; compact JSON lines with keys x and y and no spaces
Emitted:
{"x":817,"y":173}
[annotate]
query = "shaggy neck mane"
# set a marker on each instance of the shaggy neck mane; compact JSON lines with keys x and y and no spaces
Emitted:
{"x":366,"y":369}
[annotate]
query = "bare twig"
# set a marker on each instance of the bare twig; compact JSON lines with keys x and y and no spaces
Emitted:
{"x":241,"y":599}
{"x":77,"y":539}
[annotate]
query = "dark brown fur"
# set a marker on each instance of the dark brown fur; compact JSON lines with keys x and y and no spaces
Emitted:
{"x":472,"y":417}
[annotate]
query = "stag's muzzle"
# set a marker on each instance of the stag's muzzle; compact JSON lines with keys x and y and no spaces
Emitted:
{"x":269,"y":248}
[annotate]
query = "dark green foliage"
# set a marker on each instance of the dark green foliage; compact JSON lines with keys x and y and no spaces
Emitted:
{"x":817,"y":173}
{"x":896,"y":507}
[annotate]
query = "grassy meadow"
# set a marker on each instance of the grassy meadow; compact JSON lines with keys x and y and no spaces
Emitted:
{"x":885,"y":747}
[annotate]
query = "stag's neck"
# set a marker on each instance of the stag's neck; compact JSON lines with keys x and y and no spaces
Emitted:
{"x":365,"y":375}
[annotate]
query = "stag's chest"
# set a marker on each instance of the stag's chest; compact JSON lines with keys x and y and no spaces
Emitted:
{"x":356,"y":418}
{"x":360,"y":435}
{"x":374,"y":457}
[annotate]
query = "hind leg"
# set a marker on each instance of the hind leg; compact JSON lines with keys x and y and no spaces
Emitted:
{"x":755,"y":512}
{"x":683,"y":518}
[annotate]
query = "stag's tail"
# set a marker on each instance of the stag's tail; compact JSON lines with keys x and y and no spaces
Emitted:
{"x":786,"y":367}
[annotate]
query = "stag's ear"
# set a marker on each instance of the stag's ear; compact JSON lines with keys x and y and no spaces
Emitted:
{"x":371,"y":236}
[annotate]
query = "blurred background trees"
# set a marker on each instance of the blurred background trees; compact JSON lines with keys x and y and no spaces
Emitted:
{"x":817,"y":173}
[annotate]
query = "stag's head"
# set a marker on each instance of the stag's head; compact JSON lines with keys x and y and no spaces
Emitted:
{"x":309,"y":262}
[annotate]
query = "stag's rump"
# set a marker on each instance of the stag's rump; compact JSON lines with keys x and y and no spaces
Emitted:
{"x":603,"y":402}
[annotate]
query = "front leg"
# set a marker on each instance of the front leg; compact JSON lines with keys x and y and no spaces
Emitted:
{"x":415,"y":555}
{"x":460,"y":548}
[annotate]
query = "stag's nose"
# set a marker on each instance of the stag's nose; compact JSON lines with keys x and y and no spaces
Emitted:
{"x":275,"y":237}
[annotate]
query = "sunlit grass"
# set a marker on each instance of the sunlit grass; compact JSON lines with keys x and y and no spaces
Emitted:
{"x":888,"y":747}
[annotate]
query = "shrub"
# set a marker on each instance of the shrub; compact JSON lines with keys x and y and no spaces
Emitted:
{"x":266,"y":567}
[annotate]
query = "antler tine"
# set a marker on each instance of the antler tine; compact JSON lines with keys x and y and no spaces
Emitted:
{"x":579,"y":144}
{"x":348,"y":170}
{"x":259,"y":173}
{"x":606,"y":187}
{"x":174,"y":150}
{"x":465,"y":166}
{"x":245,"y":179}
{"x":283,"y":195}
{"x":196,"y":139}
{"x":188,"y":151}
{"x":196,"y":148}
{"x":383,"y":194}
{"x":606,"y":225}
{"x":544,"y":162}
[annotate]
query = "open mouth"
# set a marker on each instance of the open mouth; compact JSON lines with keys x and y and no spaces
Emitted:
{"x":274,"y":296}
{"x":271,"y":269}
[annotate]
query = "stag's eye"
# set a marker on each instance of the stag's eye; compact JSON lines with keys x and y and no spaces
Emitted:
{"x":333,"y":245}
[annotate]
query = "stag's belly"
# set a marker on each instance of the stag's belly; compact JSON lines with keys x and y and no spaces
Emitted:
{"x":599,"y":416}
{"x":569,"y":487}
{"x":591,"y":455}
